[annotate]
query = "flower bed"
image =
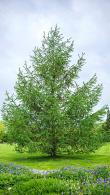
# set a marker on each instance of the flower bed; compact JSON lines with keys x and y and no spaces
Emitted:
{"x":20,"y":180}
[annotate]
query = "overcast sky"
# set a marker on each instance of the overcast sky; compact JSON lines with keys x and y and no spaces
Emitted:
{"x":22,"y":23}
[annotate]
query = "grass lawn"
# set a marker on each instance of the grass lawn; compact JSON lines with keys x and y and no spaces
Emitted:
{"x":40,"y":161}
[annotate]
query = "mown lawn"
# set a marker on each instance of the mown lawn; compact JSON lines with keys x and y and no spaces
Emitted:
{"x":41,"y":161}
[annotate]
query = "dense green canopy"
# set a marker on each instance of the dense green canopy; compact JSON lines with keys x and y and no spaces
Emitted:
{"x":49,"y":110}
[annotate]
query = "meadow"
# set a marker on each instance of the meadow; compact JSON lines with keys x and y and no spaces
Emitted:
{"x":41,"y":161}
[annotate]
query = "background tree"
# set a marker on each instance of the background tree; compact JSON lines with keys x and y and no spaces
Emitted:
{"x":106,"y":127}
{"x":2,"y":132}
{"x":49,"y":110}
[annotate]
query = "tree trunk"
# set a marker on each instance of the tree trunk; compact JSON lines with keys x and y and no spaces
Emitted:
{"x":53,"y":151}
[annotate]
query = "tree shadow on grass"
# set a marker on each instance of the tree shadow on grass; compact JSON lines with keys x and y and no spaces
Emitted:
{"x":79,"y":157}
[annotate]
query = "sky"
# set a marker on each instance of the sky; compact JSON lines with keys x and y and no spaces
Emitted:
{"x":87,"y":22}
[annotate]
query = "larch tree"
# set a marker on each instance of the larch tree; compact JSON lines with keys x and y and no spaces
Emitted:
{"x":49,"y":110}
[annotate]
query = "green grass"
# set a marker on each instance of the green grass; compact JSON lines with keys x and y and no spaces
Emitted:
{"x":40,"y":161}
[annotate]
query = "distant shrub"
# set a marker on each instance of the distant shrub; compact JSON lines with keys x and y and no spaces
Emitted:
{"x":2,"y":131}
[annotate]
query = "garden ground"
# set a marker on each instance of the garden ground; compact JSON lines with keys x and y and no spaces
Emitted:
{"x":40,"y":161}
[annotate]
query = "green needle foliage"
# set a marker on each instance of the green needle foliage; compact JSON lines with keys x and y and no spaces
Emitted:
{"x":106,"y":127}
{"x":49,"y":110}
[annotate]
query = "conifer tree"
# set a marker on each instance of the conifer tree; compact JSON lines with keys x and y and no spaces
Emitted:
{"x":49,"y":110}
{"x":106,"y":127}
